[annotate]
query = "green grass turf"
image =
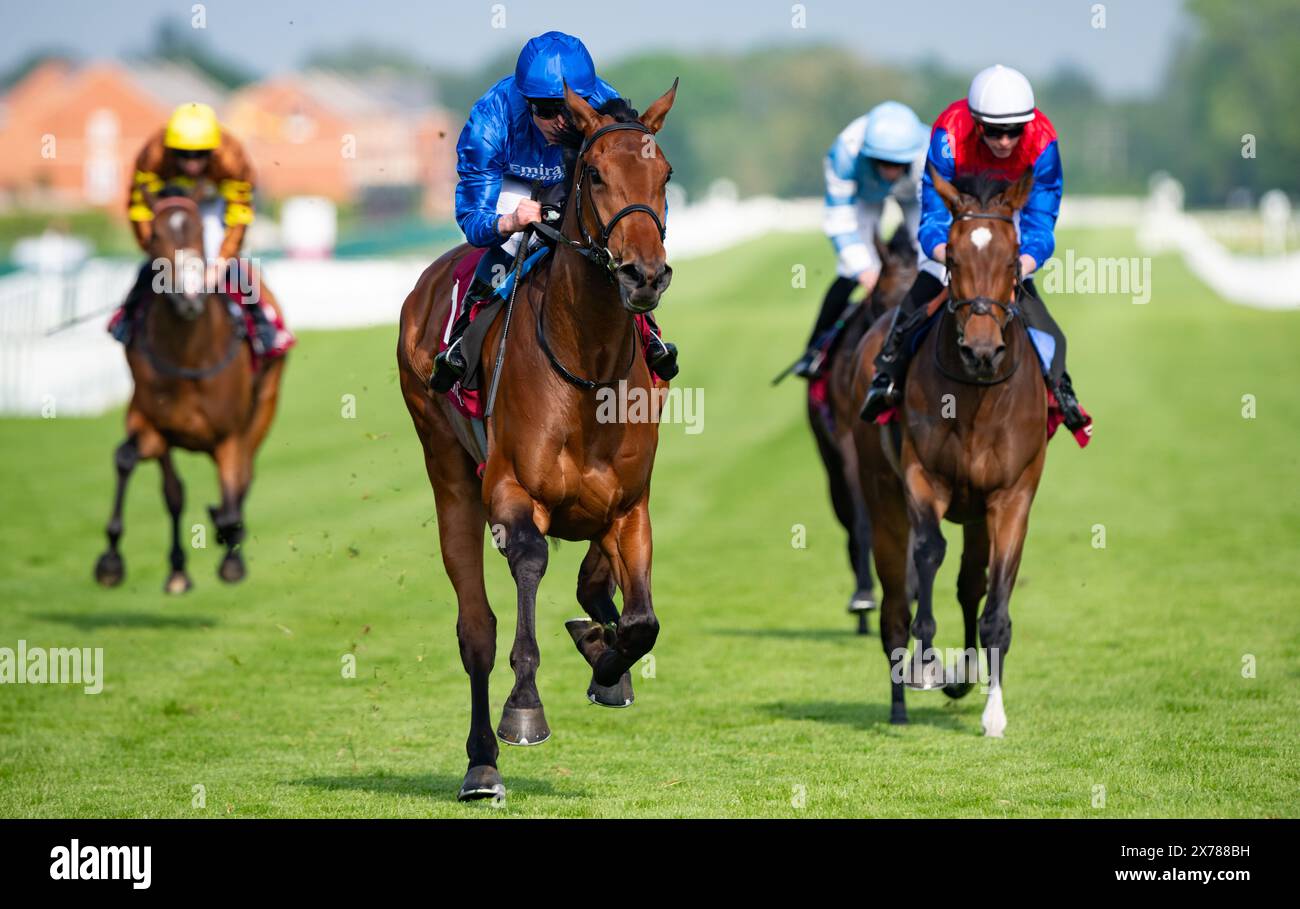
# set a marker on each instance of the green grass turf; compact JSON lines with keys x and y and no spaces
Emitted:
{"x":1126,"y":669}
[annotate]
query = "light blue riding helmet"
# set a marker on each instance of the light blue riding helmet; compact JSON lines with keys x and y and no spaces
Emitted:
{"x":549,"y":60}
{"x":894,"y":134}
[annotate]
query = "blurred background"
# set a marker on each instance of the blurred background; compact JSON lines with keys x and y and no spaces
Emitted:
{"x":352,"y":114}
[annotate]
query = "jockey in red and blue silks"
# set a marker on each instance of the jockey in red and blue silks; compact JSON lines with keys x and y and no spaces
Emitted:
{"x":511,"y":142}
{"x":996,"y":129}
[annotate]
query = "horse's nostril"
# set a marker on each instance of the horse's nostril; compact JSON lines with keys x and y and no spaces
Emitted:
{"x":632,"y":274}
{"x":967,"y":352}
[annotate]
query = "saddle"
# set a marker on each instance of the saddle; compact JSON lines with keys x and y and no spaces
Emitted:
{"x":466,"y":395}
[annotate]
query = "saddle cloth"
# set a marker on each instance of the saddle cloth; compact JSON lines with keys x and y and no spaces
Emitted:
{"x":465,"y":395}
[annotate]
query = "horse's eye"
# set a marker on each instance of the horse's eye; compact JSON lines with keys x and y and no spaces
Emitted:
{"x":595,"y":178}
{"x":669,"y":177}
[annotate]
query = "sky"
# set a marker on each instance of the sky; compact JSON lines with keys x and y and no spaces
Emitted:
{"x":1125,"y":58}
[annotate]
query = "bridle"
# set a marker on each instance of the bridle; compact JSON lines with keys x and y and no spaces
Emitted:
{"x":983,"y":306}
{"x":595,"y":252}
{"x":596,"y":248}
{"x":171,"y":370}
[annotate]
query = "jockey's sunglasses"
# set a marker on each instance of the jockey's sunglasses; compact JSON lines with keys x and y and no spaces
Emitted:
{"x":1014,"y":131}
{"x":188,"y":155}
{"x":547,"y":108}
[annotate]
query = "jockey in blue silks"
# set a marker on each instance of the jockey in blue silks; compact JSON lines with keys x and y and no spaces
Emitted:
{"x":512,"y":141}
{"x":879,"y":155}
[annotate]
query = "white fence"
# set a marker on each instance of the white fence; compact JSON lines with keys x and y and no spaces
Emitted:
{"x":81,"y":370}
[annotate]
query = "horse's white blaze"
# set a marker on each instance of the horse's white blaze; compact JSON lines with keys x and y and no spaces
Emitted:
{"x":981,"y":236}
{"x":995,"y":718}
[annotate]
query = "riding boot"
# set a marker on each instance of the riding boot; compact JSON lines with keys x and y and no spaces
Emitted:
{"x":886,"y":389}
{"x":825,"y":331}
{"x":661,"y":354}
{"x":122,"y":327}
{"x":449,"y":366}
{"x":264,"y":330}
{"x":1076,"y":418}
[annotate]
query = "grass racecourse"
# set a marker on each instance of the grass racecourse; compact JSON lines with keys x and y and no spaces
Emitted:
{"x":1157,"y":676}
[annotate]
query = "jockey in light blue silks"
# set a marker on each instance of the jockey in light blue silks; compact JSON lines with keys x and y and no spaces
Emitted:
{"x":879,"y":155}
{"x":511,"y":141}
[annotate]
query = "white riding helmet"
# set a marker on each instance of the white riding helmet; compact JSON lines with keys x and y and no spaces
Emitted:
{"x":1001,"y":95}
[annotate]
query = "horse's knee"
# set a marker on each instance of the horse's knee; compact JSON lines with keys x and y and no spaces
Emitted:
{"x":930,"y":550}
{"x":126,"y":456}
{"x":477,"y":642}
{"x":527,"y":554}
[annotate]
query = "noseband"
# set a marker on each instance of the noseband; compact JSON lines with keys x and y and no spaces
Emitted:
{"x":983,"y":306}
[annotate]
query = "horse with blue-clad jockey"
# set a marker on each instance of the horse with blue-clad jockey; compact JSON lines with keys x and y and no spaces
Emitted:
{"x":562,"y":198}
{"x":512,"y":150}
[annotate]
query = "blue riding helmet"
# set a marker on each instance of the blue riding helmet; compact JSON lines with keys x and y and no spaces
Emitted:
{"x":550,"y":60}
{"x":894,"y":134}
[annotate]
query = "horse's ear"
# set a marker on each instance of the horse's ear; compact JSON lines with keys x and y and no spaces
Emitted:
{"x":1018,"y":193}
{"x":947,"y":192}
{"x":882,"y":251}
{"x":584,"y":115}
{"x":653,"y":118}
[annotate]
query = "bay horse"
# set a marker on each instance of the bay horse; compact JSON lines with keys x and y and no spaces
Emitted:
{"x":972,"y":448}
{"x":833,"y":415}
{"x":195,"y":388}
{"x":552,"y":467}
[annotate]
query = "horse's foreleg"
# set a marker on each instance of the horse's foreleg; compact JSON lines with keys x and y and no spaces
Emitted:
{"x":596,"y":587}
{"x":109,"y":569}
{"x":629,"y":547}
{"x":523,"y":722}
{"x":174,"y":495}
{"x":1008,"y":522}
{"x":926,"y":505}
{"x":972,"y":584}
{"x":233,"y":475}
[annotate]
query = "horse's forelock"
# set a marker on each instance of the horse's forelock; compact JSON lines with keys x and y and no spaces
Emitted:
{"x":983,"y":187}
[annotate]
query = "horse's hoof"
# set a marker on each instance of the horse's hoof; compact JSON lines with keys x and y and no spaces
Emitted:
{"x":923,"y":676}
{"x":482,"y":782}
{"x":619,"y":695}
{"x":178,"y":583}
{"x":232,"y":569}
{"x":862,"y":602}
{"x":109,"y":570}
{"x":523,"y":726}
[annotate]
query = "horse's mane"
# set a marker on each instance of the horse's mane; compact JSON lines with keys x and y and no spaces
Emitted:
{"x":900,"y":244}
{"x":984,"y":186}
{"x":570,"y":137}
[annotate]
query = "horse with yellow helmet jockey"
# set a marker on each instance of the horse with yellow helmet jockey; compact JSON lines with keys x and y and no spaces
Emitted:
{"x":193,"y":156}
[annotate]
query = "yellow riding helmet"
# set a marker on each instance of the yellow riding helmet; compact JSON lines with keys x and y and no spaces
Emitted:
{"x":193,"y":127}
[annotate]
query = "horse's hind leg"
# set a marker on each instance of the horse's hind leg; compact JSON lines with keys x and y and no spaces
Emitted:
{"x":174,"y":495}
{"x":523,"y":721}
{"x":110,"y":569}
{"x":234,"y":475}
{"x":972,"y":584}
{"x":596,"y":595}
{"x":893,"y":553}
